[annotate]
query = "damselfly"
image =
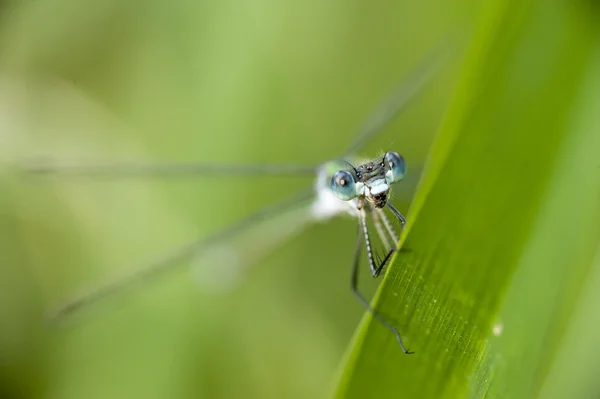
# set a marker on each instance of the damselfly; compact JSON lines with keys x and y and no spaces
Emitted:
{"x":344,"y":185}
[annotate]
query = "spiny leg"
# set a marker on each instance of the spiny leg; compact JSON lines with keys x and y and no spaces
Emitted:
{"x":388,"y":226}
{"x":375,"y":269}
{"x":379,"y":226}
{"x":164,"y":170}
{"x":396,"y":213}
{"x":354,"y":280}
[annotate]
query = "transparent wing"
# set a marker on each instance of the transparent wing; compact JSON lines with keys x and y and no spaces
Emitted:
{"x":129,"y":170}
{"x":228,"y":252}
{"x":403,"y":95}
{"x":222,"y":266}
{"x":223,"y":254}
{"x":221,"y":258}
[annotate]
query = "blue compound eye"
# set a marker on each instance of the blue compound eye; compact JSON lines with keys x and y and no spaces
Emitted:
{"x":343,"y":185}
{"x":396,"y":167}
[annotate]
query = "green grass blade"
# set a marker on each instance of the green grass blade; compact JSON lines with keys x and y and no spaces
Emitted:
{"x":503,"y":231}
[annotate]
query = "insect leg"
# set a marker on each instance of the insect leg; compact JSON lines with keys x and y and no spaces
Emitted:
{"x":396,"y":213}
{"x":381,"y":231}
{"x":354,"y":283}
{"x":388,"y":226}
{"x":375,"y":268}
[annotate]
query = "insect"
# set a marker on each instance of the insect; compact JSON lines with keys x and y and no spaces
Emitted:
{"x":361,"y":189}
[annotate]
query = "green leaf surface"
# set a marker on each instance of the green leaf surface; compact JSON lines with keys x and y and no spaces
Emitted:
{"x":500,"y":278}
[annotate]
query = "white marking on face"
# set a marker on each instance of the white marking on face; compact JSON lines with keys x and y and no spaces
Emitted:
{"x":360,"y":189}
{"x":378,"y":187}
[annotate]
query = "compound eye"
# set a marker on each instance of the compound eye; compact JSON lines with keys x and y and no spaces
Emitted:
{"x":343,"y":185}
{"x":396,"y":167}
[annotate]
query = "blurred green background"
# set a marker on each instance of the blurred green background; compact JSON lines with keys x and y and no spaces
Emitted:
{"x":240,"y":82}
